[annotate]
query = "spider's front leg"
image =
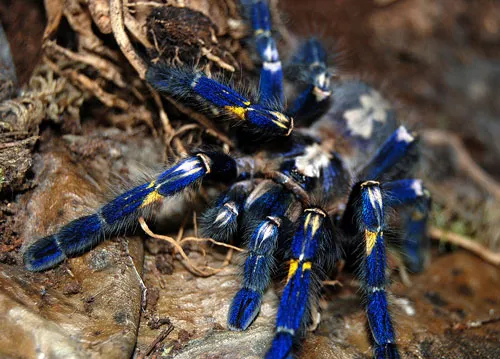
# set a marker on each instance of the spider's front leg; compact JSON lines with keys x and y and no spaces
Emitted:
{"x":311,"y":235}
{"x":309,"y":65}
{"x":85,"y":232}
{"x":195,"y":89}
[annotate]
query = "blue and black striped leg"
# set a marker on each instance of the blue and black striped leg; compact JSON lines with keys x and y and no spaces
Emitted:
{"x":371,"y":216}
{"x":271,"y":76}
{"x":292,"y":311}
{"x":256,"y":274}
{"x":85,"y":232}
{"x":394,"y":159}
{"x":309,"y":65}
{"x":221,"y":221}
{"x":262,"y":244}
{"x":415,"y":200}
{"x":212,"y":97}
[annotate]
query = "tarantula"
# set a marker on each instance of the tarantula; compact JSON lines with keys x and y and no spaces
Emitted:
{"x":308,"y":196}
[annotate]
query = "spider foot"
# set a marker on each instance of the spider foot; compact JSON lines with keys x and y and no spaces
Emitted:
{"x":244,"y":308}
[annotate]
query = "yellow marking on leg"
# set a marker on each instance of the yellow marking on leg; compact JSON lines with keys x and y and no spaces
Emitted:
{"x":371,"y":239}
{"x":417,"y":215}
{"x":150,"y":198}
{"x":246,"y":103}
{"x":279,"y":124}
{"x":316,"y":225}
{"x":294,"y":264}
{"x":151,"y":185}
{"x":316,"y":218}
{"x":306,"y":266}
{"x":237,"y":110}
{"x":306,"y":222}
{"x":280,"y":117}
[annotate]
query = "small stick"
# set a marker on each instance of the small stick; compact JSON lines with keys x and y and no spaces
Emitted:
{"x":117,"y":24}
{"x":167,"y":127}
{"x":106,"y":68}
{"x":216,"y":59}
{"x":466,"y":243}
{"x":464,"y":160}
{"x":213,"y":241}
{"x":161,"y":337}
{"x":475,"y":323}
{"x":177,"y":245}
{"x":181,"y":130}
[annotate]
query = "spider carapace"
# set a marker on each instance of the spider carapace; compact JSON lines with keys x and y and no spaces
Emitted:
{"x":313,"y":186}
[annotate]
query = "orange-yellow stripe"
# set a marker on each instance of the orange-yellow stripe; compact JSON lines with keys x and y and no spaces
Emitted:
{"x":294,"y":265}
{"x":371,"y":239}
{"x":238,"y":110}
{"x":150,"y":198}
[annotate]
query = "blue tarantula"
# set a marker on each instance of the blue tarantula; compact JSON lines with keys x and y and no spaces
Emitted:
{"x":306,"y":197}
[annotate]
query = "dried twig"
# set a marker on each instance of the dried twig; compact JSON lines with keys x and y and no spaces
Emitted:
{"x":136,"y":30}
{"x":117,"y":24}
{"x":206,"y":271}
{"x":475,"y":323}
{"x":167,"y":126}
{"x":464,"y":160}
{"x":466,"y":243}
{"x":216,"y":59}
{"x":161,"y":337}
{"x":106,"y":68}
{"x":92,"y":86}
{"x":211,"y":129}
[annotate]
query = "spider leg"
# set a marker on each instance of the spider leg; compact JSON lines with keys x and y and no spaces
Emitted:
{"x":201,"y":92}
{"x":393,"y":159}
{"x":412,"y":194}
{"x":309,"y":65}
{"x":83,"y":233}
{"x":262,"y":243}
{"x":221,"y":221}
{"x":371,"y":225}
{"x":256,"y":276}
{"x":271,"y":75}
{"x":292,"y":310}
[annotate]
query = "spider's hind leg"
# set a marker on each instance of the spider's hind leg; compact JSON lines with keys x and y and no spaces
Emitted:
{"x":413,"y":202}
{"x":85,"y":232}
{"x":309,"y":65}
